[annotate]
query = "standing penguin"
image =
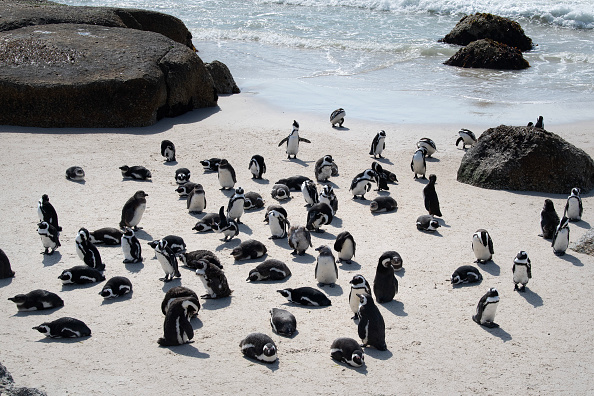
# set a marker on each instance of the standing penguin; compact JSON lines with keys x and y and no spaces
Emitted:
{"x":133,"y":210}
{"x":50,"y":237}
{"x":347,"y":350}
{"x":5,"y":269}
{"x":196,"y":200}
{"x":430,"y":197}
{"x":361,"y":183}
{"x":168,"y":261}
{"x":168,"y":150}
{"x":573,"y":207}
{"x":539,"y":122}
{"x":428,"y":144}
{"x":318,"y":215}
{"x":486,"y":308}
{"x":337,"y":117}
{"x":382,"y":177}
{"x":328,"y":197}
{"x":226,"y":226}
{"x":131,"y":247}
{"x":214,"y":280}
{"x":177,"y":329}
{"x":226,"y":175}
{"x":293,"y":141}
{"x":378,"y":144}
{"x":47,"y":213}
{"x":176,"y":292}
{"x":549,"y":220}
{"x":385,"y":284}
{"x":259,"y":346}
{"x":522,"y":270}
{"x":561,"y":237}
{"x":466,"y":137}
{"x":310,"y":193}
{"x":372,"y":329}
{"x":87,"y":252}
{"x":276,"y":217}
{"x":299,"y":239}
{"x":235,"y":207}
{"x":323,"y":168}
{"x":359,"y":285}
{"x":326,"y":271}
{"x":418,"y":164}
{"x":482,"y":246}
{"x":257,"y":166}
{"x":345,"y":246}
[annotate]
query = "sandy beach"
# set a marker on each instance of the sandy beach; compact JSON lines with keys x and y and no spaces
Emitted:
{"x":544,"y":344}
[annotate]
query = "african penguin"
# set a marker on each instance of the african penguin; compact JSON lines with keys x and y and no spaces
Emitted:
{"x":328,"y":197}
{"x":482,"y":246}
{"x":573,"y":207}
{"x":81,"y":274}
{"x":280,"y":192}
{"x":50,"y":237}
{"x":428,"y":144}
{"x":177,"y":329}
{"x":185,"y":189}
{"x":337,"y":117}
{"x":133,"y":210}
{"x":361,"y":183}
{"x":253,"y":200}
{"x":214,"y":280}
{"x":207,"y":223}
{"x":5,"y":269}
{"x":486,"y":308}
{"x":226,"y":175}
{"x":345,"y":246}
{"x":116,"y":287}
{"x":260,"y":347}
{"x":283,"y":322}
{"x":37,"y":300}
{"x":522,"y":270}
{"x":136,"y":172}
{"x":323,"y":168}
{"x":250,"y":249}
{"x":131,"y":248}
{"x":466,"y":274}
{"x":359,"y":285}
{"x":86,"y":251}
{"x":106,"y":235}
{"x":385,"y":284}
{"x":294,"y":183}
{"x":270,"y":269}
{"x":371,"y":327}
{"x":382,"y":177}
{"x":196,"y":200}
{"x":211,"y":164}
{"x":378,"y":144}
{"x":175,"y":243}
{"x":326,"y":271}
{"x":47,"y":212}
{"x":427,"y":223}
{"x":418,"y":164}
{"x":560,"y":241}
{"x":293,"y":141}
{"x":539,"y":122}
{"x":430,"y":197}
{"x":299,"y":239}
{"x":75,"y":173}
{"x":168,"y":150}
{"x":276,"y":217}
{"x":176,"y":292}
{"x":182,"y":176}
{"x":393,"y":258}
{"x":226,"y":226}
{"x":191,"y":259}
{"x":235,"y":207}
{"x":467,"y":137}
{"x":257,"y":166}
{"x":347,"y":350}
{"x":317,"y":216}
{"x":549,"y":220}
{"x":383,"y":204}
{"x":65,"y":327}
{"x":306,"y":296}
{"x":168,"y":260}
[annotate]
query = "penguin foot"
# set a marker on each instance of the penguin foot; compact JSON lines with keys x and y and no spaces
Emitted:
{"x":516,"y":287}
{"x":523,"y":289}
{"x":355,"y":317}
{"x":320,"y":231}
{"x":165,"y":279}
{"x":474,"y":317}
{"x":559,"y":253}
{"x":332,"y":285}
{"x":294,"y":252}
{"x":491,"y":325}
{"x":136,"y":228}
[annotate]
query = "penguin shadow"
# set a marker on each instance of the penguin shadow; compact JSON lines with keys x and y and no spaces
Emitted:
{"x":400,"y":273}
{"x":361,"y":370}
{"x":125,"y":297}
{"x":434,"y":233}
{"x":280,"y":242}
{"x":188,"y":350}
{"x":243,"y":228}
{"x":395,"y":307}
{"x":142,"y":234}
{"x":572,"y":259}
{"x":170,"y":163}
{"x":532,"y":297}
{"x":330,"y":183}
{"x":233,"y":243}
{"x":582,"y":224}
{"x":384,"y":193}
{"x":498,"y":332}
{"x":336,"y":222}
{"x":464,"y":285}
{"x":63,"y":340}
{"x":332,"y":291}
{"x":75,"y":286}
{"x":6,"y":281}
{"x":431,"y":159}
{"x":51,"y":259}
{"x":490,"y":267}
{"x":441,"y":222}
{"x":212,"y":304}
{"x":261,"y":181}
{"x":289,"y":304}
{"x":375,"y":214}
{"x":341,"y":128}
{"x":172,"y":283}
{"x":82,"y":182}
{"x":421,"y":180}
{"x":298,"y":161}
{"x":134,"y":267}
{"x":324,"y":235}
{"x":196,"y":323}
{"x":304,"y":259}
{"x":364,"y":201}
{"x":228,"y":192}
{"x":383,"y":160}
{"x":38,"y":312}
{"x":196,"y":215}
{"x":377,"y":354}
{"x":127,"y":179}
{"x":353,"y":266}
{"x":271,"y":366}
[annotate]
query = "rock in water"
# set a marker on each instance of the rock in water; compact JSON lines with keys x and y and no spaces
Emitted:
{"x":222,"y":78}
{"x":488,"y":54}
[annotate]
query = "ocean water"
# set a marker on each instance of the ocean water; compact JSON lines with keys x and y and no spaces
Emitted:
{"x":381,"y":59}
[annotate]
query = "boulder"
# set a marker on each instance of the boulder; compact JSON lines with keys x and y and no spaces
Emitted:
{"x":488,"y":26}
{"x":7,"y":387}
{"x":488,"y":54}
{"x":526,"y":159}
{"x":222,"y":78}
{"x":585,"y":244}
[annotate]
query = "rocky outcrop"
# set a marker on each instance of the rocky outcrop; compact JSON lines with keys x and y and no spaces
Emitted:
{"x":222,"y":78}
{"x":488,"y":54}
{"x":487,"y":26}
{"x":585,"y":244}
{"x":526,"y":159}
{"x":7,"y":387}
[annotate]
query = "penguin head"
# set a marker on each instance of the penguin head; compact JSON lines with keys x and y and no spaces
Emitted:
{"x":18,"y":299}
{"x":324,"y":250}
{"x":107,"y":293}
{"x":223,"y":162}
{"x":493,"y":292}
{"x":433,"y":225}
{"x":373,"y":206}
{"x":423,"y":151}
{"x":43,"y":226}
{"x":357,"y":359}
{"x":363,"y":298}
{"x":357,"y":280}
{"x":129,"y":233}
{"x":328,"y":158}
{"x":44,"y":198}
{"x":576,"y":191}
{"x":548,"y":205}
{"x":153,"y":244}
{"x":84,"y":234}
{"x":285,"y":293}
{"x":253,"y":276}
{"x":564,"y":223}
{"x":432,"y":178}
{"x":162,"y":245}
{"x":191,"y":306}
{"x":43,"y":329}
{"x":201,"y":266}
{"x":124,"y":168}
{"x":239,"y":191}
{"x":295,"y":125}
{"x":382,"y":133}
{"x":521,"y":256}
{"x":269,"y":349}
{"x":66,"y":276}
{"x":455,"y":279}
{"x":140,"y":194}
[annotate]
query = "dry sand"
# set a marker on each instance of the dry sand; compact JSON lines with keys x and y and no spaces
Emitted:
{"x":544,"y":345}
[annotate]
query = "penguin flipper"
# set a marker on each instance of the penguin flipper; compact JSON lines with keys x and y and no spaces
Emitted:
{"x":283,"y":141}
{"x":304,"y":140}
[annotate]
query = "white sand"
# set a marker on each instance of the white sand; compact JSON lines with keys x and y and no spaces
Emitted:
{"x":544,"y":344}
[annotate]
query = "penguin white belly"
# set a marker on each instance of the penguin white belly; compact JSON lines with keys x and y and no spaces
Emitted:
{"x":573,"y":209}
{"x":293,"y":145}
{"x":467,"y":139}
{"x":326,"y":270}
{"x":360,"y":187}
{"x":354,"y":301}
{"x":347,"y":251}
{"x":47,"y":241}
{"x":254,"y":168}
{"x":481,"y":252}
{"x":265,"y":358}
{"x":418,"y":166}
{"x":521,"y":274}
{"x":209,"y":291}
{"x":380,"y":146}
{"x":80,"y":252}
{"x":197,"y":203}
{"x":276,"y":228}
{"x":137,"y":215}
{"x":325,"y":172}
{"x":364,"y":340}
{"x":562,"y":241}
{"x":126,"y":248}
{"x":39,"y":213}
{"x":167,"y":267}
{"x":226,"y":179}
{"x":489,"y":312}
{"x":236,"y":210}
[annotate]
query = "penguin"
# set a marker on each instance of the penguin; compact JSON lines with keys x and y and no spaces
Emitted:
{"x":294,"y":183}
{"x":427,"y":223}
{"x":345,"y":246}
{"x":293,"y":141}
{"x":133,"y":210}
{"x":430,"y":197}
{"x":235,"y":206}
{"x":226,"y":175}
{"x":482,"y":246}
{"x":359,"y":285}
{"x":5,"y":269}
{"x":227,"y":227}
{"x":276,"y":217}
{"x":318,"y":215}
{"x":106,"y":235}
{"x":260,"y":347}
{"x":185,"y":189}
{"x":371,"y":327}
{"x":393,"y":258}
{"x":50,"y":237}
{"x":283,"y":322}
{"x":37,"y":300}
{"x":539,"y":122}
{"x":214,"y":280}
{"x":192,"y":259}
{"x":326,"y":271}
{"x":560,"y":241}
{"x":310,"y":193}
{"x":136,"y":172}
{"x":418,"y":164}
{"x":280,"y":192}
{"x":486,"y":308}
{"x":467,"y":137}
{"x":361,"y":183}
{"x":75,"y":173}
{"x":323,"y":168}
{"x":180,"y":292}
{"x":131,"y":248}
{"x":168,"y":150}
{"x":306,"y":296}
{"x":385,"y":284}
{"x":196,"y":200}
{"x":522,"y":270}
{"x":177,"y":329}
{"x":549,"y":220}
{"x":253,"y":200}
{"x":378,"y":144}
{"x":182,"y":176}
{"x":47,"y":212}
{"x":80,"y":275}
{"x":116,"y":287}
{"x":466,"y":274}
{"x":382,"y":177}
{"x":383,"y":204}
{"x":250,"y":249}
{"x":337,"y":117}
{"x":299,"y":239}
{"x":174,"y":242}
{"x":65,"y":327}
{"x":207,"y":223}
{"x":346,"y":350}
{"x":328,"y":197}
{"x":86,"y":251}
{"x":428,"y":144}
{"x":271,"y":269}
{"x":168,"y":260}
{"x":573,"y":207}
{"x":211,"y":165}
{"x":257,"y":166}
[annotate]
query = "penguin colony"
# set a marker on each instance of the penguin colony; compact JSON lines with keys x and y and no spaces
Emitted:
{"x":181,"y":304}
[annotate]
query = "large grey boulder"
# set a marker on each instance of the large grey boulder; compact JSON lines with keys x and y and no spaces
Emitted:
{"x":222,"y":78}
{"x":526,"y":159}
{"x":488,"y":54}
{"x":7,"y":387}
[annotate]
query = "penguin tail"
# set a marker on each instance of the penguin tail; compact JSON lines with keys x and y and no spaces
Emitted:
{"x":163,"y":342}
